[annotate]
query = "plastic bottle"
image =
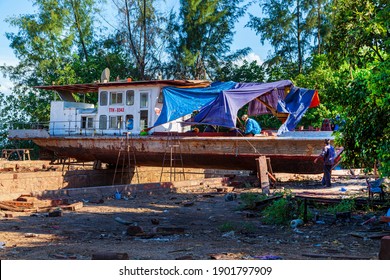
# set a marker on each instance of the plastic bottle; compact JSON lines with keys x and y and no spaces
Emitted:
{"x":118,"y":195}
{"x":295,"y":223}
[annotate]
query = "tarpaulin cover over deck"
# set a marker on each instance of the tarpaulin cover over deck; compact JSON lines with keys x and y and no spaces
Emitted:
{"x":219,"y":103}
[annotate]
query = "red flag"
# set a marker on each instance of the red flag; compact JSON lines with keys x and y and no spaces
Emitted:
{"x":315,"y":101}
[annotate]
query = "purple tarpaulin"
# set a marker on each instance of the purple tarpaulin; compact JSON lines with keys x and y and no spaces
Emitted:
{"x":223,"y":110}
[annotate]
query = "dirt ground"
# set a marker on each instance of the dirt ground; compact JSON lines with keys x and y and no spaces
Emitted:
{"x":199,"y":226}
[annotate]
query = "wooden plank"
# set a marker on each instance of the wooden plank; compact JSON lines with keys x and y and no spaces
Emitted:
{"x":371,"y":235}
{"x":72,"y":207}
{"x":281,"y":116}
{"x":4,"y":206}
{"x":262,"y":174}
{"x":18,"y":204}
{"x":384,"y":219}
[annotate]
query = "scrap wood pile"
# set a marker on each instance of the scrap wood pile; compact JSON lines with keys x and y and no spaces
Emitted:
{"x":28,"y":203}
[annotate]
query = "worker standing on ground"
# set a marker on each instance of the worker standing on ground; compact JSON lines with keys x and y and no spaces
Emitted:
{"x":328,"y":154}
{"x":251,"y":126}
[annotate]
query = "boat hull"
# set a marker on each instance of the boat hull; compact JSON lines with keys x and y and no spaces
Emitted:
{"x":290,"y":155}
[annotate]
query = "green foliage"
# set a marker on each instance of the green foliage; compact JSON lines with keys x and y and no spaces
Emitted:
{"x":247,"y":72}
{"x":361,"y":32}
{"x":366,"y":110}
{"x":227,"y":226}
{"x":345,"y":205}
{"x":247,"y":228}
{"x":320,"y":76}
{"x":285,"y":209}
{"x":280,"y":212}
{"x":250,"y":199}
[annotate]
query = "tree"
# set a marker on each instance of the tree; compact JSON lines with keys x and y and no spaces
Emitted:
{"x":247,"y":72}
{"x":141,"y":31}
{"x":366,"y":110}
{"x":10,"y":117}
{"x":201,"y":37}
{"x":317,"y":20}
{"x":289,"y":27}
{"x":320,"y":76}
{"x":45,"y":46}
{"x":360,"y":32}
{"x":359,"y":46}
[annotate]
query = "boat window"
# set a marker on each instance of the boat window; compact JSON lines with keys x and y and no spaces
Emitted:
{"x":144,"y":119}
{"x":103,"y":122}
{"x":129,"y":122}
{"x":115,"y":98}
{"x":144,"y":100}
{"x":86,"y":122}
{"x":130,"y":97}
{"x":116,"y":122}
{"x":103,"y":98}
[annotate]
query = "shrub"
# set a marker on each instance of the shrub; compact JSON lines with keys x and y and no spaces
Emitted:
{"x":280,"y":212}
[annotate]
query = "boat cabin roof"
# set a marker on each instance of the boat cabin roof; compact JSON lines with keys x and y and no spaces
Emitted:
{"x":94,"y":87}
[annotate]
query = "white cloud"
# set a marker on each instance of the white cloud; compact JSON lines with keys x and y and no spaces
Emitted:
{"x":5,"y":84}
{"x":249,"y":58}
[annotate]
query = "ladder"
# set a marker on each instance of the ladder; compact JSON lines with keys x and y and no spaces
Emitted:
{"x":173,"y":156}
{"x":127,"y":155}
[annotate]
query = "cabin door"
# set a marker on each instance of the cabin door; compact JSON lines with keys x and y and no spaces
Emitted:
{"x":144,"y":109}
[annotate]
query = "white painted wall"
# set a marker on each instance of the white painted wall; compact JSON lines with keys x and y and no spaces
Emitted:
{"x":65,"y":117}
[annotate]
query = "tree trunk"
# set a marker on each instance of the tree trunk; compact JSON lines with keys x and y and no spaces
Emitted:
{"x":299,"y":38}
{"x":81,"y":35}
{"x":319,"y":25}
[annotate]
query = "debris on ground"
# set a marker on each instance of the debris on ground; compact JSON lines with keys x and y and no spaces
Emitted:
{"x":198,"y":224}
{"x":28,"y":203}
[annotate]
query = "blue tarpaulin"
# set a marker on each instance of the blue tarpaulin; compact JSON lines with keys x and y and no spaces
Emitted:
{"x":296,"y":104}
{"x":179,"y":102}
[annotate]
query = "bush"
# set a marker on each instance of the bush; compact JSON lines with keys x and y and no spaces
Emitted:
{"x":249,"y":200}
{"x":280,"y":212}
{"x":345,"y":205}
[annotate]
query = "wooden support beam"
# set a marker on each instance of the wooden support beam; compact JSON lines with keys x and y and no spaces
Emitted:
{"x":281,"y":116}
{"x":262,"y":174}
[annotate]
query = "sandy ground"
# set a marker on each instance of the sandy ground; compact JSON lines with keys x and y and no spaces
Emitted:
{"x":207,"y":225}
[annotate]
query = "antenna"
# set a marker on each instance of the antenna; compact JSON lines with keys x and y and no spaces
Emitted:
{"x":105,"y":77}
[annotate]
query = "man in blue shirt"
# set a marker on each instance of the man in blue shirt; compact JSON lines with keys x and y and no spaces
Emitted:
{"x":251,"y":126}
{"x":328,"y":154}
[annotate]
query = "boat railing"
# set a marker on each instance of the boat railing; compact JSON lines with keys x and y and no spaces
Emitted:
{"x":29,"y":125}
{"x":74,"y":128}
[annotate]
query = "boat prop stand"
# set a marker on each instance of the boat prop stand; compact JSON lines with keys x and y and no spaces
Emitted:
{"x":265,"y":174}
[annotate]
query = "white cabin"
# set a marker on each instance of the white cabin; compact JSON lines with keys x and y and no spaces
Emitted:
{"x":120,"y":108}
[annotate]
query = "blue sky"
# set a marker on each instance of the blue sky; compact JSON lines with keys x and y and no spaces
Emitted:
{"x":244,"y":36}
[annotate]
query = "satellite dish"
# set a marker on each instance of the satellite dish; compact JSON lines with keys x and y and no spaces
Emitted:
{"x":105,"y":77}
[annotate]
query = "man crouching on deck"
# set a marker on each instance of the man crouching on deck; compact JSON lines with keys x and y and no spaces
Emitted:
{"x":251,"y":126}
